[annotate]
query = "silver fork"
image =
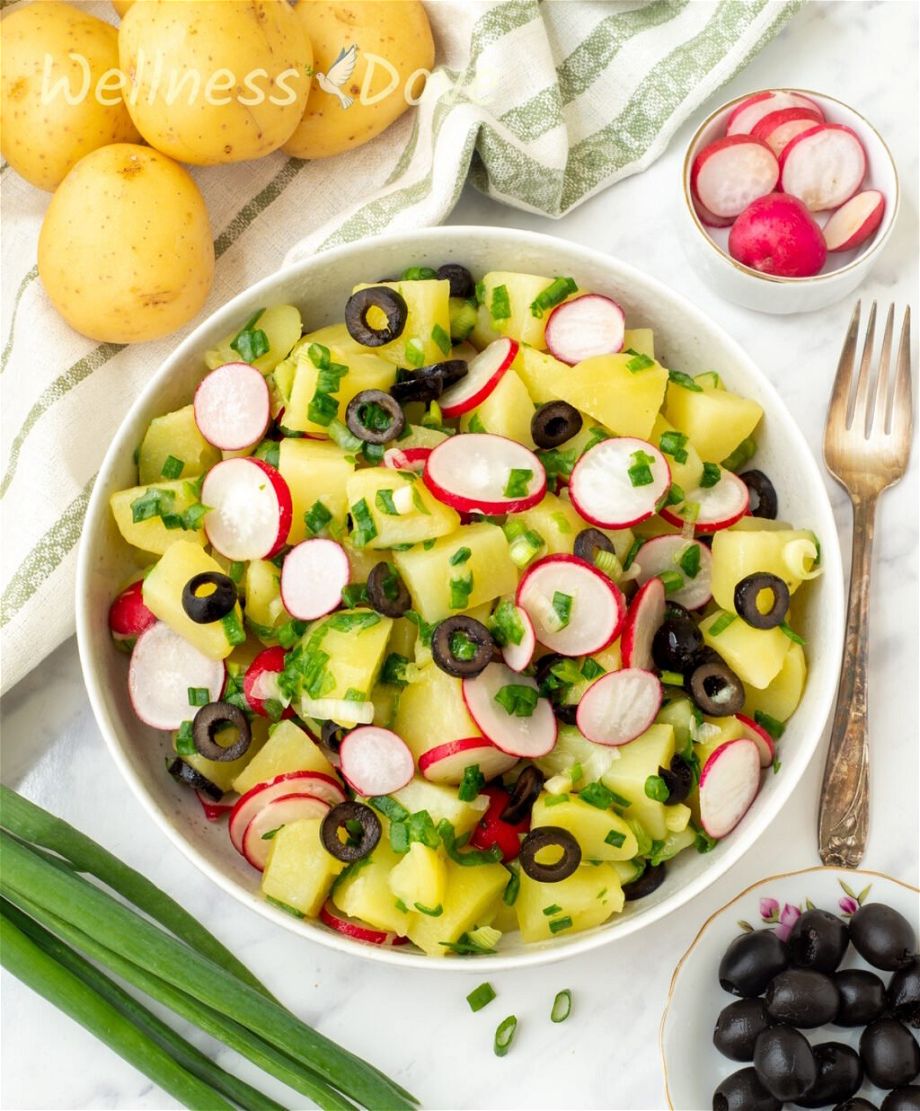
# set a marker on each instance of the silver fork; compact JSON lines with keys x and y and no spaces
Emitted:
{"x":866,"y":448}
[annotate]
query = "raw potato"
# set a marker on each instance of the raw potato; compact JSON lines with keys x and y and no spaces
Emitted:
{"x":43,"y":135}
{"x":125,"y":252}
{"x":396,"y":31}
{"x":233,"y":77}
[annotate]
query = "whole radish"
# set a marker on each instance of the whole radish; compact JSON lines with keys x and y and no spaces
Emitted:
{"x":777,"y":235}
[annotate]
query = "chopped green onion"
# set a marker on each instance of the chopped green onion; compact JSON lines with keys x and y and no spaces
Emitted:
{"x":675,"y":494}
{"x":185,"y":740}
{"x":480,"y":997}
{"x":638,"y":362}
{"x":596,"y":794}
{"x":518,"y":481}
{"x":347,"y":622}
{"x":441,"y":338}
{"x":472,"y":858}
{"x":555,"y":800}
{"x":721,"y":623}
{"x":345,"y":439}
{"x":556,"y":463}
{"x":703,"y":842}
{"x":671,"y":580}
{"x":562,"y":1006}
{"x":355,"y":594}
{"x":591,"y":669}
{"x":657,"y":789}
{"x":680,"y":379}
{"x":365,"y":530}
{"x":640,"y":473}
{"x":250,"y":342}
{"x":608,"y":563}
{"x":672,"y":678}
{"x":461,"y":555}
{"x":476,"y":424}
{"x":506,"y":625}
{"x":775,"y":728}
{"x":793,"y":636}
{"x":559,"y":924}
{"x":518,"y":700}
{"x":389,"y":808}
{"x":415,"y":352}
{"x":431,"y":912}
{"x":384,"y":502}
{"x":551,"y":910}
{"x":471,"y":784}
{"x":504,"y":1035}
{"x":500,"y":308}
{"x":233,"y":629}
{"x":509,"y":898}
{"x":394,"y":670}
{"x":776,"y":765}
{"x":689,"y":560}
{"x":742,"y":453}
{"x":236,"y":569}
{"x":461,"y":646}
{"x":198,"y":696}
{"x":712,"y":473}
{"x":562,"y":604}
{"x":460,"y":591}
{"x":418,"y":274}
{"x":674,"y":444}
{"x":172,"y":467}
{"x":554,"y":294}
{"x":615,"y":838}
{"x":632,"y":553}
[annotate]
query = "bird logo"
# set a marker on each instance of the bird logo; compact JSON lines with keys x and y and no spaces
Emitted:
{"x":339,"y":72}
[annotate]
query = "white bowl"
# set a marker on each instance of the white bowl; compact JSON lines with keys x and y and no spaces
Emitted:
{"x":707,"y":248}
{"x":685,"y":338}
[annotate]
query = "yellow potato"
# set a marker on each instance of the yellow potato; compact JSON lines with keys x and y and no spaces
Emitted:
{"x":215,"y":82}
{"x":55,"y":108}
{"x":125,"y":251}
{"x":121,"y":6}
{"x":394,"y":52}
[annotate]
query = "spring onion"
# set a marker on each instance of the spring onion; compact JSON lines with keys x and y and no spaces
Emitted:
{"x":562,"y":1006}
{"x":480,"y":997}
{"x":504,"y":1035}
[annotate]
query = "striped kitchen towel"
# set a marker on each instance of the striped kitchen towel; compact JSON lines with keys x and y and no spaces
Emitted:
{"x":541,"y":104}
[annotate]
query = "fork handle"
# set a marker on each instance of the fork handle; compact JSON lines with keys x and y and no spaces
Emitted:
{"x":844,"y":811}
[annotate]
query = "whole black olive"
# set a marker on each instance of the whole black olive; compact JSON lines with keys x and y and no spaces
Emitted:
{"x":716,"y":689}
{"x":905,"y":1098}
{"x":839,"y":1075}
{"x":862,"y":997}
{"x":818,"y":940}
{"x":675,"y":644}
{"x":650,"y":880}
{"x":882,"y":936}
{"x":742,"y":1091}
{"x":461,"y":280}
{"x":856,"y":1104}
{"x":738,"y":1027}
{"x":890,"y":1055}
{"x":802,"y":997}
{"x":904,"y":993}
{"x":784,"y":1062}
{"x":751,"y":962}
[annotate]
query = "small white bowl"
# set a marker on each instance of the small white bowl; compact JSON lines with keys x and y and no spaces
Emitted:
{"x":707,"y":248}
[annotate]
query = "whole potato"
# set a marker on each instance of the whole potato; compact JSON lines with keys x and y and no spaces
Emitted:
{"x":342,"y":113}
{"x":42,"y":134}
{"x":215,"y":82}
{"x":125,"y":251}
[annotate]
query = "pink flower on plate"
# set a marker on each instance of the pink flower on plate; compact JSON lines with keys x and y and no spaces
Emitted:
{"x":769,"y":910}
{"x":787,"y":920}
{"x":848,"y":905}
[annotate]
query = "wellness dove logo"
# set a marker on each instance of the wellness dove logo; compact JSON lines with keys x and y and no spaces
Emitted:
{"x":339,"y":72}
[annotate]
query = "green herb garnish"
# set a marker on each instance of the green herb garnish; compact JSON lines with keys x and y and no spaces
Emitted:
{"x":680,"y":379}
{"x":518,"y":481}
{"x":250,"y":342}
{"x":554,"y":294}
{"x":480,"y":997}
{"x":517,"y":699}
{"x":562,"y":604}
{"x":712,"y":472}
{"x":172,"y":467}
{"x":500,"y":307}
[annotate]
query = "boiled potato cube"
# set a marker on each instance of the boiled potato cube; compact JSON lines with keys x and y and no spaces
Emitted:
{"x":638,"y":760}
{"x":516,"y":293}
{"x":441,"y":803}
{"x":602,"y":834}
{"x":401,"y":507}
{"x":556,"y":521}
{"x":420,"y":878}
{"x":624,"y":401}
{"x":685,"y":472}
{"x":680,"y":714}
{"x":281,"y":326}
{"x":316,"y":471}
{"x":507,"y":411}
{"x":640,"y":340}
{"x":151,"y":534}
{"x":354,"y":656}
{"x":333,"y":336}
{"x":365,"y":891}
{"x":587,"y":897}
{"x":174,"y":438}
{"x":755,"y":655}
{"x":471,"y":899}
{"x":300,"y":872}
{"x":715,"y":420}
{"x":432,"y":712}
{"x":737,"y":553}
{"x":365,"y":372}
{"x":426,"y":336}
{"x":223,"y":772}
{"x":288,"y":749}
{"x":783,"y":693}
{"x":540,"y":372}
{"x":264,"y":609}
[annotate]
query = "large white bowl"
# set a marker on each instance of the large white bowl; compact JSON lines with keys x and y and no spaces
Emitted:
{"x":685,"y":340}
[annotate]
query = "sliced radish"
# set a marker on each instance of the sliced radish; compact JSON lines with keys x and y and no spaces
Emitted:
{"x":643,"y":619}
{"x":596,"y":609}
{"x":588,"y":325}
{"x":331,"y":916}
{"x":249,"y":508}
{"x":664,"y":553}
{"x":709,"y":218}
{"x":257,"y":839}
{"x":756,"y":733}
{"x":482,"y":376}
{"x":232,"y":406}
{"x":474,"y":473}
{"x":313,"y":576}
{"x":260,"y":683}
{"x":447,"y":762}
{"x":604,"y":488}
{"x":530,"y":735}
{"x":823,"y":166}
{"x":214,"y":811}
{"x":518,"y":656}
{"x":619,"y":707}
{"x":163,"y":667}
{"x":776,"y":129}
{"x":128,"y":616}
{"x":711,"y":508}
{"x":315,"y":784}
{"x":406,"y":459}
{"x":731,"y":172}
{"x":855,"y":221}
{"x":729,"y":783}
{"x":375,"y":761}
{"x":746,"y":115}
{"x":337,"y":709}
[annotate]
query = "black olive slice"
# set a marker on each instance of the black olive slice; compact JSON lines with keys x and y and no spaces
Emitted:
{"x":542,"y":673}
{"x":549,"y":837}
{"x":205,"y":608}
{"x":360,"y":410}
{"x":386,"y":591}
{"x":589,"y":542}
{"x":566,"y":712}
{"x":186,"y":775}
{"x":462,"y":647}
{"x":429,"y":382}
{"x":209,"y":721}
{"x":523,"y":795}
{"x":650,"y":880}
{"x":360,"y":823}
{"x":675,"y":609}
{"x":747,"y":592}
{"x":676,"y":643}
{"x":554,"y":423}
{"x":766,"y":503}
{"x":717,"y":690}
{"x":390,"y":303}
{"x":331,"y":735}
{"x":461,"y":280}
{"x":678,"y":779}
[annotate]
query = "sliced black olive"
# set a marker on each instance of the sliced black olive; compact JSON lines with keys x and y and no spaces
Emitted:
{"x":883,"y":937}
{"x":765,"y":503}
{"x":209,"y":721}
{"x":186,"y":775}
{"x":840,"y":1075}
{"x":856,"y":1104}
{"x":784,"y":1062}
{"x":742,"y":1091}
{"x":390,"y":303}
{"x":862,"y":997}
{"x":566,"y":712}
{"x":676,"y":643}
{"x":364,"y":409}
{"x":751,"y":961}
{"x":331,"y":735}
{"x":738,"y":1027}
{"x":747,"y":592}
{"x":386,"y":591}
{"x":461,"y":280}
{"x":524,"y":794}
{"x":554,"y":423}
{"x":678,"y":779}
{"x":543,"y":669}
{"x":802,"y":997}
{"x":462,"y":647}
{"x":716,"y":689}
{"x":650,"y":880}
{"x":890,"y":1055}
{"x":429,"y":382}
{"x":903,"y":993}
{"x":217,"y":603}
{"x":360,"y":823}
{"x":550,"y":837}
{"x":905,"y":1098}
{"x":675,"y":609}
{"x":818,"y":940}
{"x":589,"y":542}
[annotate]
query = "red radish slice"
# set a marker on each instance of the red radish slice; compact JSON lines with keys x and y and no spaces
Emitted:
{"x":776,"y":129}
{"x":128,"y":616}
{"x":760,"y":737}
{"x":718,"y":506}
{"x":375,"y":761}
{"x":588,"y":325}
{"x":729,"y":783}
{"x":163,"y":667}
{"x":313,"y":576}
{"x":406,"y":459}
{"x":643,"y":619}
{"x":855,"y":221}
{"x":332,"y":917}
{"x":528,"y":736}
{"x":602,"y":488}
{"x":447,"y":762}
{"x":315,"y":784}
{"x":823,"y":166}
{"x":746,"y":115}
{"x":257,"y":839}
{"x":472,"y":473}
{"x":482,"y":376}
{"x":518,"y":656}
{"x":214,"y":811}
{"x":250,"y":508}
{"x":664,"y":553}
{"x":731,"y":172}
{"x":596,"y":612}
{"x":709,"y":218}
{"x":232,"y":406}
{"x":619,"y":706}
{"x":261,"y":681}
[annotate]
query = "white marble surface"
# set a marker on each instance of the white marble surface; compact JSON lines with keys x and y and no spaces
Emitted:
{"x":417,"y":1026}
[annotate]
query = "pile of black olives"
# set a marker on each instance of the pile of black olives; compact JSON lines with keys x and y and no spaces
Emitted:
{"x":798,"y":984}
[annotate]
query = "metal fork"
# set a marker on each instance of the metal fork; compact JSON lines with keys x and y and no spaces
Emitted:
{"x":866,"y":448}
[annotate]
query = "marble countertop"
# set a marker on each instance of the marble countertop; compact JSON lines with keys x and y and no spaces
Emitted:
{"x":417,"y":1026}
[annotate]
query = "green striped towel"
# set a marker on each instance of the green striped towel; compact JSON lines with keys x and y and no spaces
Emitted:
{"x":541,"y":104}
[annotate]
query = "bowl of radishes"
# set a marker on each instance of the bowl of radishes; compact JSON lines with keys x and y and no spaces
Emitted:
{"x":789,"y":197}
